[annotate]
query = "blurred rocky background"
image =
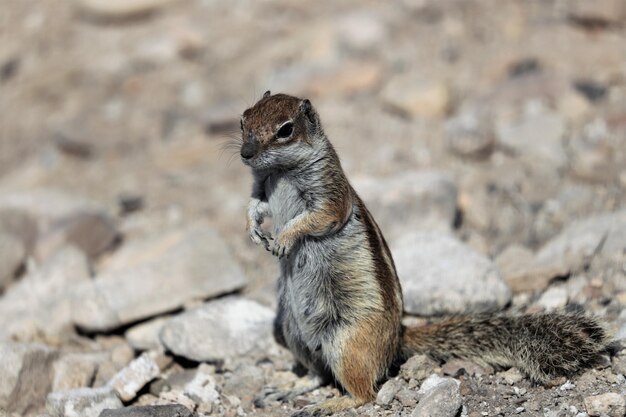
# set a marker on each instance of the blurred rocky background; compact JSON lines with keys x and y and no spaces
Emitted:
{"x":488,"y":139}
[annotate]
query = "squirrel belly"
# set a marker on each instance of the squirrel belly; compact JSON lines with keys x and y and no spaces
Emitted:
{"x":339,"y":297}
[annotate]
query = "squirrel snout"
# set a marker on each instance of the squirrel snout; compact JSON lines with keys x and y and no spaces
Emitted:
{"x":250,"y":148}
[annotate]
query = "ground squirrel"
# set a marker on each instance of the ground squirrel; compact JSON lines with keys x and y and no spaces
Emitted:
{"x":339,"y":297}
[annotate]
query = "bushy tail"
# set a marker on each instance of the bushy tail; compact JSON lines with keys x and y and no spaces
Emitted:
{"x":543,"y":346}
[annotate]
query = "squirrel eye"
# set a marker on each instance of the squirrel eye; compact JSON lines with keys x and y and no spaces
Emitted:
{"x":285,"y":131}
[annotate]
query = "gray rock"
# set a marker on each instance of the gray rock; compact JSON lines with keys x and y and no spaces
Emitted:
{"x":127,"y":382}
{"x":21,"y":225}
{"x":415,"y":96}
{"x":578,"y":243}
{"x":145,"y":336}
{"x":610,"y":404}
{"x":82,"y":402}
{"x":511,"y":376}
{"x":388,"y":391}
{"x":202,"y":388}
{"x":418,"y":367}
{"x":91,"y":232}
{"x":156,"y":275}
{"x":359,"y":31}
{"x":553,"y":298}
{"x":468,"y":135}
{"x":26,"y":376}
{"x":441,"y":397}
{"x":245,"y":383}
{"x":74,"y":370}
{"x":441,"y":275}
{"x":12,"y":256}
{"x":225,"y":328}
{"x":412,"y":200}
{"x":170,"y":410}
{"x":513,"y":263}
{"x":522,"y":137}
{"x":40,"y":303}
{"x":121,"y":9}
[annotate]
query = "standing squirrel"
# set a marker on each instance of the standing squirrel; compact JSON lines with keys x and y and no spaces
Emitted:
{"x":339,"y":298}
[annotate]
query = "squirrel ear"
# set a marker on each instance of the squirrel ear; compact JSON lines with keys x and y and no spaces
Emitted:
{"x":267,"y":94}
{"x":307,"y":108}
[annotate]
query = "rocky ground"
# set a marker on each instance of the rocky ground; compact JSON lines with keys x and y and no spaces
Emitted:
{"x":488,"y":139}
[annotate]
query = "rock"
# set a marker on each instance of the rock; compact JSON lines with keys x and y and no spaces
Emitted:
{"x":593,"y":154}
{"x":91,"y":232}
{"x":553,"y":299}
{"x":145,"y":336}
{"x":127,"y":382}
{"x":441,"y":397}
{"x":417,"y":97}
{"x":411,"y":200}
{"x":360,"y":31}
{"x":388,"y":391}
{"x":82,"y":402}
{"x":407,"y":397}
{"x":12,"y":256}
{"x":47,"y":205}
{"x":26,"y":370}
{"x":513,"y":263}
{"x":511,"y":376}
{"x":607,"y":11}
{"x":583,"y":239}
{"x":39,"y":304}
{"x":226,"y":328}
{"x":440,"y":275}
{"x":171,"y":410}
{"x":454,"y":368}
{"x":610,"y":404}
{"x":619,"y":364}
{"x":418,"y":367}
{"x":20,"y":225}
{"x":521,"y":137}
{"x":469,"y":136}
{"x":74,"y":371}
{"x":175,"y":397}
{"x":156,"y":275}
{"x":345,"y":80}
{"x":121,"y":9}
{"x":202,"y":388}
{"x":245,"y":382}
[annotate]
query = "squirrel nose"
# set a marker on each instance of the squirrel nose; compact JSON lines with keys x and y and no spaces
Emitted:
{"x":250,"y":148}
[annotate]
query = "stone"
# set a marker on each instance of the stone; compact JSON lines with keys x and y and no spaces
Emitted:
{"x":619,"y":364}
{"x":121,"y":9}
{"x":593,"y":154}
{"x":40,"y":303}
{"x":226,"y":328}
{"x":175,"y":397}
{"x":610,"y":404}
{"x":441,"y":275}
{"x":145,"y":336}
{"x":12,"y":257}
{"x":521,"y":137}
{"x":170,"y":410}
{"x":156,"y":275}
{"x":388,"y":391}
{"x":513,"y":263}
{"x":609,"y":11}
{"x":359,"y":31}
{"x":26,"y":370}
{"x":202,"y":388}
{"x":245,"y":383}
{"x":417,"y":97}
{"x":553,"y":298}
{"x":82,"y":402}
{"x":417,"y":200}
{"x":454,"y":368}
{"x":440,"y":397}
{"x":91,"y":232}
{"x":511,"y":376}
{"x":74,"y":370}
{"x":418,"y":367}
{"x":127,"y":382}
{"x":469,"y":136}
{"x":21,"y":225}
{"x":573,"y":248}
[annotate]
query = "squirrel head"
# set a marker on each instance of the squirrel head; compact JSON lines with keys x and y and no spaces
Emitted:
{"x":279,"y":132}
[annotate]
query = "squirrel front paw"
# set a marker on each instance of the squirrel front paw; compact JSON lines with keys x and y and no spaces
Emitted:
{"x":260,"y":236}
{"x":282,"y":246}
